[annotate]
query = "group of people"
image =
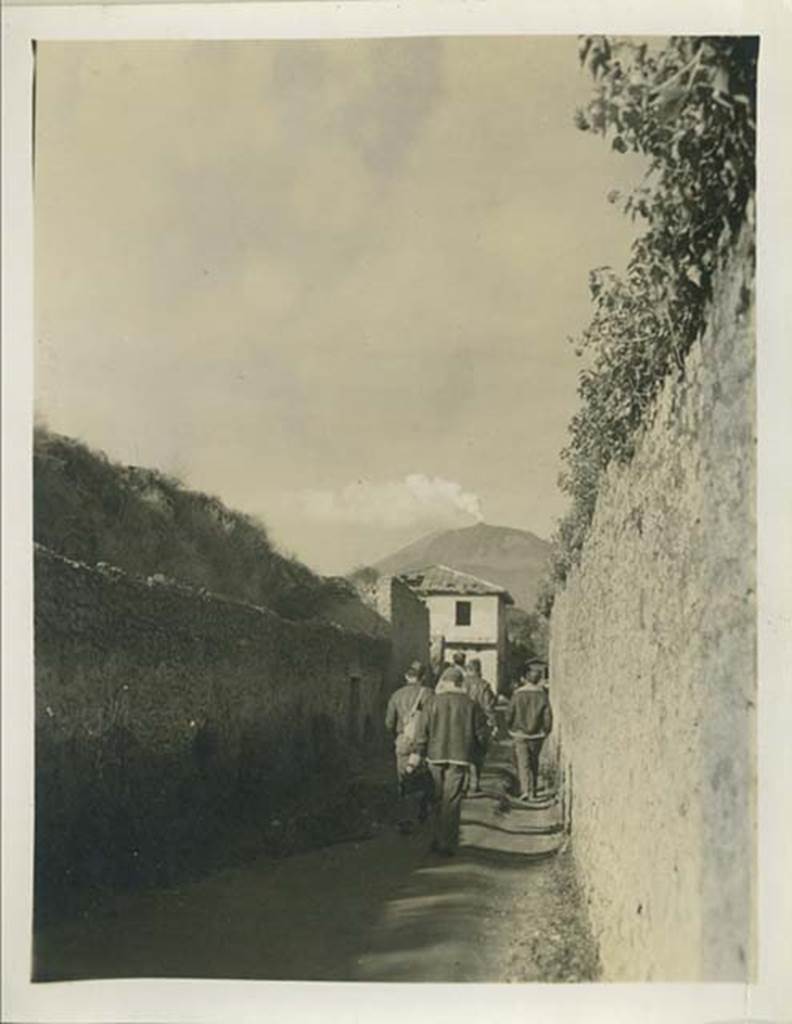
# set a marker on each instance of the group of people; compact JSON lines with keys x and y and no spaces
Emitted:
{"x":442,"y":734}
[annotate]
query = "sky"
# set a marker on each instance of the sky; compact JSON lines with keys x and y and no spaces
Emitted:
{"x":330,"y":282}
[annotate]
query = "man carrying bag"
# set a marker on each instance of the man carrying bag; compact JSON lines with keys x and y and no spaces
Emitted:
{"x":405,"y":709}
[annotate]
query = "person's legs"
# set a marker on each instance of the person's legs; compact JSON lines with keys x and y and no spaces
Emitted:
{"x":455,"y":780}
{"x":438,"y":778}
{"x":521,"y":756}
{"x":480,"y":758}
{"x":476,"y":770}
{"x":405,"y":824}
{"x":425,"y":796}
{"x":534,"y":748}
{"x":401,"y":768}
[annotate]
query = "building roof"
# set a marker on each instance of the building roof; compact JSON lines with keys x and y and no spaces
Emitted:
{"x":440,"y":579}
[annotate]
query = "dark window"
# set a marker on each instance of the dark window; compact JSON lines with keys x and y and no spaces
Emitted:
{"x":463,"y":613}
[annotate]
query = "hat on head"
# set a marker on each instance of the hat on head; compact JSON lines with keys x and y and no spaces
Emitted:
{"x":452,"y":675}
{"x":535,"y":663}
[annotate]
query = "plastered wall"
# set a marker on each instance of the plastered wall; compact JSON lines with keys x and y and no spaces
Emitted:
{"x":653,"y":673}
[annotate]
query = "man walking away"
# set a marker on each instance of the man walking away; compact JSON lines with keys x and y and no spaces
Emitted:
{"x":529,"y":721}
{"x":480,"y":692}
{"x":452,"y":732}
{"x":444,"y":666}
{"x":403,"y":715}
{"x":424,"y":676}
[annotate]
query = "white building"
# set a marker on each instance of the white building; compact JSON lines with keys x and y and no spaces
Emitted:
{"x":466,"y":614}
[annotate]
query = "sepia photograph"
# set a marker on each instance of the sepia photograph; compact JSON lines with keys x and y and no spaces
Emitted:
{"x":394,"y":509}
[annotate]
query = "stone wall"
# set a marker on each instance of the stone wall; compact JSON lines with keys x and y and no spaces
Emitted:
{"x":653,"y":674}
{"x":164,"y":716}
{"x":355,"y":611}
{"x":409,"y":621}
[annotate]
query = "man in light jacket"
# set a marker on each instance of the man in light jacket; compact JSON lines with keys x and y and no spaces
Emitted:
{"x":452,"y":732}
{"x":529,"y":721}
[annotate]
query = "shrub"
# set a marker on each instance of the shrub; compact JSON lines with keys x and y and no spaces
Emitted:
{"x":690,"y":108}
{"x":145,"y":522}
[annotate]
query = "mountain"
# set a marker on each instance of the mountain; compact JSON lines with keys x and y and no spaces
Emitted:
{"x":515,"y":559}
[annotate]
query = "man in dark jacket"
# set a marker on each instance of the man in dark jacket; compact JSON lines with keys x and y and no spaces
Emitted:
{"x":529,"y":721}
{"x":480,"y":691}
{"x":452,"y":731}
{"x":402,"y":720}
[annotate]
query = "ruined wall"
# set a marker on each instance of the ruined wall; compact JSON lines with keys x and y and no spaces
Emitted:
{"x":409,"y":620}
{"x":653,"y":674}
{"x":351,"y":611}
{"x":164,"y":716}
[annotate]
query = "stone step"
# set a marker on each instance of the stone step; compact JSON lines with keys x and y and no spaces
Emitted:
{"x":517,"y":822}
{"x":494,"y":820}
{"x":490,"y":838}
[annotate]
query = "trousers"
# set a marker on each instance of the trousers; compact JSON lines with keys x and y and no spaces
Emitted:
{"x":450,"y":782}
{"x":417,"y":784}
{"x":476,"y":770}
{"x":526,"y":753}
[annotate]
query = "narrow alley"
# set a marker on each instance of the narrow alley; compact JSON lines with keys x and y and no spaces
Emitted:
{"x":506,"y":908}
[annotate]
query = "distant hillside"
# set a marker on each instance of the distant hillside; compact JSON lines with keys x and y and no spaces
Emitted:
{"x":94,"y":510}
{"x":515,"y":559}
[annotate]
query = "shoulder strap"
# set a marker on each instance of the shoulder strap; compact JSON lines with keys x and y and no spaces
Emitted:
{"x":417,"y":704}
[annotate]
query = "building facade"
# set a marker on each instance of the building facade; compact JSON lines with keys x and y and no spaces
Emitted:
{"x":466,"y":614}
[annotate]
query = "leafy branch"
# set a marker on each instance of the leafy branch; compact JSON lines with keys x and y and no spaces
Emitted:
{"x":689,"y":106}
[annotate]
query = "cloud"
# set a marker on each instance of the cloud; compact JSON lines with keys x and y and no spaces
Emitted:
{"x":417,"y":499}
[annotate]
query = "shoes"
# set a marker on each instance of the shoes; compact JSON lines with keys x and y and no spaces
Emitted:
{"x":524,"y":797}
{"x":406,"y":826}
{"x":442,"y":851}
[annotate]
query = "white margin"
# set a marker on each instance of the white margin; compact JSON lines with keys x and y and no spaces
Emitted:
{"x":204,"y":1001}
